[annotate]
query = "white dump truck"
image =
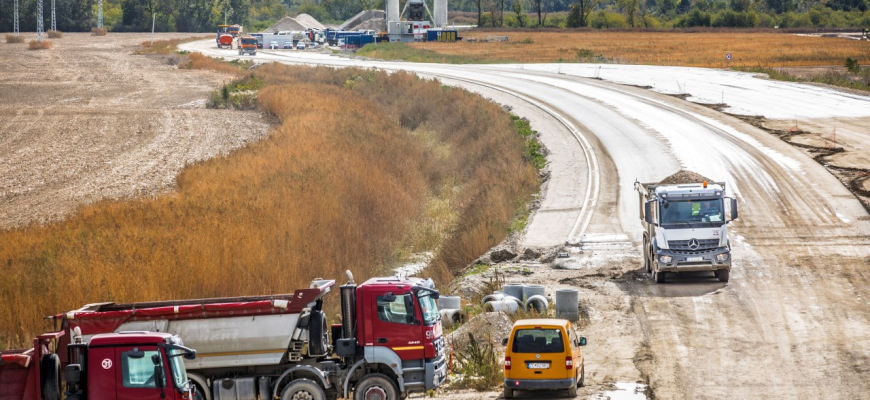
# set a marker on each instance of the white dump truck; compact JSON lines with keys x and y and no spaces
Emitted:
{"x":684,"y":228}
{"x":278,"y":347}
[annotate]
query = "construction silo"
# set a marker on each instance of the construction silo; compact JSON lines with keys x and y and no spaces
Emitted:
{"x":392,"y":11}
{"x":440,"y":13}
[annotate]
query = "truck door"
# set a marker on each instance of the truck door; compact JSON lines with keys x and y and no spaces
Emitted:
{"x":136,"y":373}
{"x":396,"y":324}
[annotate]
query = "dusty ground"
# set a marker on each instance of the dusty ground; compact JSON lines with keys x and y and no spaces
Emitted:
{"x":88,"y":120}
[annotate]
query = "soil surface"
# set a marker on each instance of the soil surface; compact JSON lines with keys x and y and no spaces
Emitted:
{"x":89,"y":120}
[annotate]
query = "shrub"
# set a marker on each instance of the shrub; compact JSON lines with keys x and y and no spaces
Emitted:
{"x":37,"y":45}
{"x":852,"y":65}
{"x":55,"y":34}
{"x":14,"y":39}
{"x":98,"y":31}
{"x":479,"y":364}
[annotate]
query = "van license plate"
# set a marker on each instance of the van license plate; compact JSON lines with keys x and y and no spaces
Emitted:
{"x":539,"y":365}
{"x":695,"y":259}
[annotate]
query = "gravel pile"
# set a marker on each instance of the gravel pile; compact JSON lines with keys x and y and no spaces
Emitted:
{"x":683,"y":177}
{"x":492,"y":326}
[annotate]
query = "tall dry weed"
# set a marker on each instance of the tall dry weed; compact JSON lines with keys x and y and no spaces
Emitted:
{"x":14,"y":39}
{"x":37,"y":45}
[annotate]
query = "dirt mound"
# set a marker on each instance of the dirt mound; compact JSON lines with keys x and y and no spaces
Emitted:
{"x":375,"y":24}
{"x":491,"y":326}
{"x":309,"y":22}
{"x":357,"y":21}
{"x":683,"y":177}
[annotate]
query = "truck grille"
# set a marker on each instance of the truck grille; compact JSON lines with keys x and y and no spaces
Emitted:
{"x":703,"y":245}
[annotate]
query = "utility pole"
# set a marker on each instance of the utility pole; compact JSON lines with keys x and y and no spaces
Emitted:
{"x":39,"y":23}
{"x":99,"y":15}
{"x":153,"y":19}
{"x":16,"y":17}
{"x":53,"y":17}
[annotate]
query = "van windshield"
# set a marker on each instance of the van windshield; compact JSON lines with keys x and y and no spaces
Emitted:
{"x":538,"y":341}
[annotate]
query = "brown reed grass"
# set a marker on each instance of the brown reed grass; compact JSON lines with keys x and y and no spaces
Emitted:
{"x":14,"y":39}
{"x":37,"y":45}
{"x":694,"y":48}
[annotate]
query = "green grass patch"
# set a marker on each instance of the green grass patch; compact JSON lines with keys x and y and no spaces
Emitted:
{"x":534,"y":150}
{"x":403,"y":52}
{"x":859,"y":80}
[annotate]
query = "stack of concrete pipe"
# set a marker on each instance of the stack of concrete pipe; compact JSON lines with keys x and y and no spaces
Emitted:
{"x":513,"y":298}
{"x":450,"y":309}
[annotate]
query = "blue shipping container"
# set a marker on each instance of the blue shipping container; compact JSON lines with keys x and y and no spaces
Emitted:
{"x":440,"y":36}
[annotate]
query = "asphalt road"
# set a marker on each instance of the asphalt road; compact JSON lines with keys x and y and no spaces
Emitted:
{"x":794,"y":322}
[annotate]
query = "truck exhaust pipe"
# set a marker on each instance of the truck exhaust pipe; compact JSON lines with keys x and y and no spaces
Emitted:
{"x":348,"y":308}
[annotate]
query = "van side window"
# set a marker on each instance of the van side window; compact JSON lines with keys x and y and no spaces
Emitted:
{"x":395,"y":309}
{"x":138,"y":371}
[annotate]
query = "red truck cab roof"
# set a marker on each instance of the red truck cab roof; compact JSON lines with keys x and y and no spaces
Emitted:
{"x":395,"y":282}
{"x":129,"y":338}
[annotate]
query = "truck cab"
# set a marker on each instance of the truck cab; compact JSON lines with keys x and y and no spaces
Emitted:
{"x":685,"y":228}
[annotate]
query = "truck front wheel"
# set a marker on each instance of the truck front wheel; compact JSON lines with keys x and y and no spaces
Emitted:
{"x":303,"y":389}
{"x":375,"y":387}
{"x":647,"y":261}
{"x":723,"y":275}
{"x":659,"y":276}
{"x":50,"y":371}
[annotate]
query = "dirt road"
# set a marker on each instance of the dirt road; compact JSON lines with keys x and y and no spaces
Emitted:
{"x":88,"y":120}
{"x":793,"y":323}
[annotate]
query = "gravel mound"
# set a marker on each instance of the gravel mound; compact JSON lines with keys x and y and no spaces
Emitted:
{"x":492,"y":326}
{"x":683,"y":177}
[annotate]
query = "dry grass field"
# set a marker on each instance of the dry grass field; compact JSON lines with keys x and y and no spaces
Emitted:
{"x":372,"y":177}
{"x":695,"y":49}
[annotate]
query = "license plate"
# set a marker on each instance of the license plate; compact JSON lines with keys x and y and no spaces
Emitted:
{"x":539,"y":365}
{"x":694,"y":258}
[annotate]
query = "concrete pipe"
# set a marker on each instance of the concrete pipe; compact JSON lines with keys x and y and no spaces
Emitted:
{"x":538,"y":304}
{"x":532,"y":290}
{"x":505,"y":306}
{"x":513,"y":290}
{"x":451,"y":317}
{"x":449,"y":302}
{"x":493,"y":297}
{"x":568,"y":304}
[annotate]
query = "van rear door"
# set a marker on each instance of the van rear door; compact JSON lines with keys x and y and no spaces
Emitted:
{"x":539,"y":353}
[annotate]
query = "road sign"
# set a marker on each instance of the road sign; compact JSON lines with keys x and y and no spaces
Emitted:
{"x":728,"y":56}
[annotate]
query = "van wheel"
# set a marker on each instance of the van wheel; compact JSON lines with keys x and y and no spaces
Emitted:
{"x":376,"y":387}
{"x":508,"y":393}
{"x":50,"y":371}
{"x":303,"y":389}
{"x":572,"y":391}
{"x":582,"y":377}
{"x":659,"y":276}
{"x":723,"y":275}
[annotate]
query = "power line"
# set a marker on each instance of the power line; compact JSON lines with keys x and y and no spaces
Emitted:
{"x":39,"y":22}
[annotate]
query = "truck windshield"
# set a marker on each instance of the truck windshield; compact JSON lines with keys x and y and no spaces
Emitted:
{"x":179,"y":374}
{"x":428,"y":307}
{"x":692,"y":211}
{"x":249,"y":41}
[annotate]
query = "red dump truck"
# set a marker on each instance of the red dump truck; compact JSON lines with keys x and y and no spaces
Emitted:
{"x":278,"y":347}
{"x":115,"y":366}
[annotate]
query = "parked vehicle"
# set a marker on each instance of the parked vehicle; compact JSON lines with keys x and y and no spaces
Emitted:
{"x":543,"y":354}
{"x":288,"y":45}
{"x":388,"y":345}
{"x":273,"y":45}
{"x":247,"y":45}
{"x":684,"y":228}
{"x":300,"y":46}
{"x":122,"y":366}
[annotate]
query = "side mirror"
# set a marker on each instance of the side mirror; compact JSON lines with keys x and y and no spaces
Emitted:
{"x":647,"y":212}
{"x":190,"y":355}
{"x":733,"y":209}
{"x":504,"y":342}
{"x":582,"y":341}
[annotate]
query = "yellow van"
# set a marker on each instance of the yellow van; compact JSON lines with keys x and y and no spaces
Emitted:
{"x":543,"y":354}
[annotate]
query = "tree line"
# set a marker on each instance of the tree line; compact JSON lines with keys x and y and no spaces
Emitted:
{"x":256,"y":15}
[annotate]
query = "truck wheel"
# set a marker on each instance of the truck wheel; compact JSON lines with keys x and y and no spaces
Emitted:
{"x":723,"y":275}
{"x":508,"y":393}
{"x":375,"y":387}
{"x":50,"y":371}
{"x":318,"y":338}
{"x":303,"y":389}
{"x":659,"y":276}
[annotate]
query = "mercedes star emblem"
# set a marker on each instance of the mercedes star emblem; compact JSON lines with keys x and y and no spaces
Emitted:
{"x":693,"y":244}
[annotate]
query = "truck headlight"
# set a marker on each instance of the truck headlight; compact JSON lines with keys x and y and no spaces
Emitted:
{"x":722,"y":257}
{"x":665,"y":259}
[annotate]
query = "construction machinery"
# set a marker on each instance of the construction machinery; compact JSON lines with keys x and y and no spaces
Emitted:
{"x":684,"y":228}
{"x":388,"y":344}
{"x":247,"y":45}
